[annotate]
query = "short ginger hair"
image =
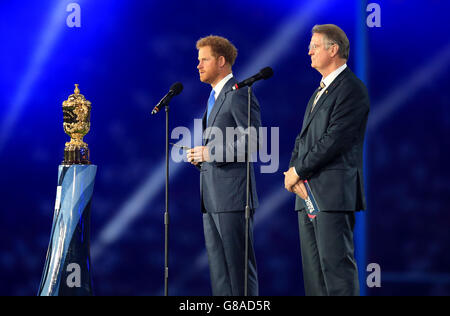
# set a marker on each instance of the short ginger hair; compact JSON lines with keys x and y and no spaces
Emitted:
{"x":220,"y":46}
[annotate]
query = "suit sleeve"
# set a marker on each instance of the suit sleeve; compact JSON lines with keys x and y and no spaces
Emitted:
{"x":294,"y":152}
{"x":346,"y":120}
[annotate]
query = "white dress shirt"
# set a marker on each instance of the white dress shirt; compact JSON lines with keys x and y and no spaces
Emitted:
{"x":218,"y":88}
{"x":330,"y":78}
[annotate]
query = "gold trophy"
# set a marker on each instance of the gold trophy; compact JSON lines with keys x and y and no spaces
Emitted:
{"x":77,"y":115}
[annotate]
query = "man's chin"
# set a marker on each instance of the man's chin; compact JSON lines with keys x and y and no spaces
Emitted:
{"x":204,"y":80}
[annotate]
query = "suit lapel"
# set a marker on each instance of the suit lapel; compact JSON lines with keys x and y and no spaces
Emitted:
{"x":308,"y":109}
{"x":322,"y":99}
{"x":204,"y":124}
{"x":218,"y":104}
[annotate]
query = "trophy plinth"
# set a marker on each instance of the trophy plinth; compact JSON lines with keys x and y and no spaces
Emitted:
{"x":68,"y":269}
{"x":77,"y":115}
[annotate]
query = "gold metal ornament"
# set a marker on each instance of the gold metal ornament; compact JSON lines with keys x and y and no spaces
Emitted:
{"x":77,"y":115}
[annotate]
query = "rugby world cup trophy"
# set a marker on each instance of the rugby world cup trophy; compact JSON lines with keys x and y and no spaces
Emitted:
{"x":67,"y":270}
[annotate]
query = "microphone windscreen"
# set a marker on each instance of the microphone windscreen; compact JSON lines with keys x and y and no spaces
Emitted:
{"x":176,"y":88}
{"x":266,"y":72}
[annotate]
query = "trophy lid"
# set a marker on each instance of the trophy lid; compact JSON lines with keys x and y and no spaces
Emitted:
{"x":76,"y":98}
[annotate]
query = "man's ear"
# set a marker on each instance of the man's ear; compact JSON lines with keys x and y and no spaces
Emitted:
{"x":222,"y":61}
{"x":334,"y":50}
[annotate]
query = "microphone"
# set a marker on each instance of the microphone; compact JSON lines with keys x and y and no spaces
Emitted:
{"x":264,"y":73}
{"x":174,"y":90}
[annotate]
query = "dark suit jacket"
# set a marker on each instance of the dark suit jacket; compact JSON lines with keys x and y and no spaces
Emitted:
{"x":222,"y":183}
{"x":329,"y":150}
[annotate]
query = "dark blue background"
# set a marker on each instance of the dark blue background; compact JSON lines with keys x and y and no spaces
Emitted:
{"x":126,"y":55}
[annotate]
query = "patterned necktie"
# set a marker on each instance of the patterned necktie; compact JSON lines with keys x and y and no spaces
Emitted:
{"x":322,"y":85}
{"x":211,"y":102}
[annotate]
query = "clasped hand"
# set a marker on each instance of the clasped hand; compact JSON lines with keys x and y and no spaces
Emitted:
{"x":294,"y":184}
{"x":198,"y":154}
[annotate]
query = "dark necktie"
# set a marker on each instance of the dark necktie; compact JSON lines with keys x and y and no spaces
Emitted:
{"x":322,"y":85}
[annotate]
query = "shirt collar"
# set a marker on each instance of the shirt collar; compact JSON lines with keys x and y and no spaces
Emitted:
{"x":330,"y":78}
{"x":218,"y":88}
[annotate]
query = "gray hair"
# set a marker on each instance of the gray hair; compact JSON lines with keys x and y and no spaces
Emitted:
{"x":333,"y":34}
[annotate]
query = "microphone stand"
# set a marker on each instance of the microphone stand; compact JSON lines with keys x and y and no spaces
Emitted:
{"x":263,"y":74}
{"x":247,"y":205}
{"x":175,"y":89}
{"x":166,"y":213}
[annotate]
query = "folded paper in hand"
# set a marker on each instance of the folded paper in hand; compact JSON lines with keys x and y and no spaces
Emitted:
{"x":311,"y":204}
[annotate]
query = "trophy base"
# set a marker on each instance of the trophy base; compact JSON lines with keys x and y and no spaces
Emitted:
{"x":78,"y":156}
{"x":68,"y":268}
